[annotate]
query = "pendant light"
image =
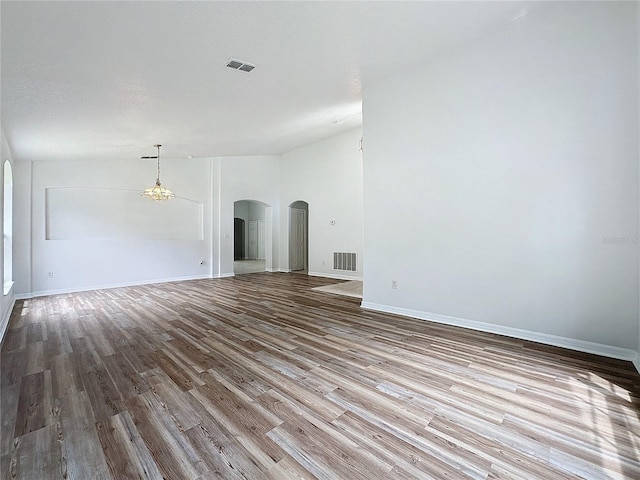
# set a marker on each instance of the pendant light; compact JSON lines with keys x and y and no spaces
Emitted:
{"x":157,"y":192}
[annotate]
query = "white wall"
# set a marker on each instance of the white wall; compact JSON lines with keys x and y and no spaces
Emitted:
{"x":6,"y":300}
{"x":77,"y":218}
{"x":493,"y":175}
{"x":637,"y":360}
{"x":241,"y":210}
{"x":244,"y":178}
{"x":22,"y":227}
{"x":89,"y":242}
{"x":328,"y":176}
{"x":256,"y":211}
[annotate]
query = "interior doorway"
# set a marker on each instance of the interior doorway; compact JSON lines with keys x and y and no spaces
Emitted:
{"x":257,"y":240}
{"x":299,"y":236}
{"x":238,"y":238}
{"x":249,"y":237}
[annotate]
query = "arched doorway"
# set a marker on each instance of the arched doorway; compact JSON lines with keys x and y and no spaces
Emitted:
{"x":250,"y":236}
{"x":299,"y":236}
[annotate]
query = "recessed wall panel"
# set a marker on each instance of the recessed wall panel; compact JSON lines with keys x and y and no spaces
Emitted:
{"x":107,"y":214}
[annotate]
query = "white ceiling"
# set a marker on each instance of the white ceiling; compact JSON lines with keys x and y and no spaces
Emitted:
{"x":107,"y":80}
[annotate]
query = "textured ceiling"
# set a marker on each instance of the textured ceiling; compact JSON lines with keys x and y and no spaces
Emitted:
{"x":107,"y":80}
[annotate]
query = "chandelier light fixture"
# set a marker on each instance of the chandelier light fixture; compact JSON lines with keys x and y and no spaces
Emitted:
{"x":157,"y":192}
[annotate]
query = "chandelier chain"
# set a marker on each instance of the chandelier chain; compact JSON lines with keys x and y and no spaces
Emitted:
{"x":158,"y":192}
{"x":158,"y":178}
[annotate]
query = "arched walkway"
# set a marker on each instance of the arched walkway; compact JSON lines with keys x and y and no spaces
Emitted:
{"x":251,"y":232}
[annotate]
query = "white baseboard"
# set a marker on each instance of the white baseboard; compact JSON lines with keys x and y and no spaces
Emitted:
{"x":636,"y":362}
{"x":224,"y":275}
{"x":4,"y":325}
{"x":337,"y":276}
{"x":44,"y":293}
{"x":570,"y":343}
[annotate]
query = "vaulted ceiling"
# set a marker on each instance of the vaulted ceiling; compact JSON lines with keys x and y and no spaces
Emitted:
{"x":107,"y":80}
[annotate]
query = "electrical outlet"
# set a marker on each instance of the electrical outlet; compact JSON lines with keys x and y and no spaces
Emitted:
{"x":49,"y":274}
{"x":394,"y":284}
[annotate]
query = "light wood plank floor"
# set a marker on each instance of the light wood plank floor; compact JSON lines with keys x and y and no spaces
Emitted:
{"x":259,"y":377}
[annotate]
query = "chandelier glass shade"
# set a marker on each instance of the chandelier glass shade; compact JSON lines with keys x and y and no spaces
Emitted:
{"x":158,"y":192}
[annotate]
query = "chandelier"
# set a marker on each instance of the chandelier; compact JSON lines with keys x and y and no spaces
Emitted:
{"x":157,"y":192}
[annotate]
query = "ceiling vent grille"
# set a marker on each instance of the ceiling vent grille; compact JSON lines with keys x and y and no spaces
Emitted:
{"x":240,"y":65}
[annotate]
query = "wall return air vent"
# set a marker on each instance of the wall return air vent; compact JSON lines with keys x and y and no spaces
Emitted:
{"x":240,"y":65}
{"x":345,"y":261}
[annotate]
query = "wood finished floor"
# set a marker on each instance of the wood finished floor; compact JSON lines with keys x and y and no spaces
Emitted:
{"x":258,"y":377}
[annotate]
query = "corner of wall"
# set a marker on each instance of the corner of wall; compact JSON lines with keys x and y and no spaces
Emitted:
{"x":6,"y":315}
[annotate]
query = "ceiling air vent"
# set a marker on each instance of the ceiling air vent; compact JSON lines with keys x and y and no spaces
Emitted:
{"x":240,"y":65}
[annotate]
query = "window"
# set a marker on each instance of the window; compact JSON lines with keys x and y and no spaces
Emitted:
{"x":8,"y":227}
